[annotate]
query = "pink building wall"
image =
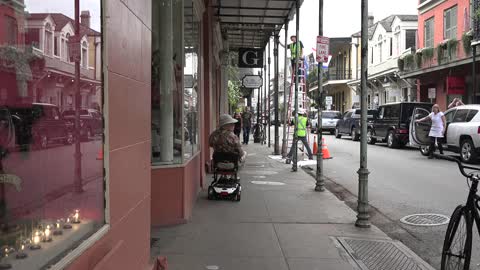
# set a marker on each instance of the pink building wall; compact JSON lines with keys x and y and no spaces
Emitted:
{"x":127,"y":244}
{"x":437,"y":11}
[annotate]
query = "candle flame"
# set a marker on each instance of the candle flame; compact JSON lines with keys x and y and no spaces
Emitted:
{"x":58,"y":225}
{"x":23,"y":247}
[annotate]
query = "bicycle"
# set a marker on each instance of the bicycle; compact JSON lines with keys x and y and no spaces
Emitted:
{"x":459,"y":229}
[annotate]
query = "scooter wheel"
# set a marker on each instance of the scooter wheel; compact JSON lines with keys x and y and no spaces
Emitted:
{"x":211,"y":193}
{"x":238,"y":197}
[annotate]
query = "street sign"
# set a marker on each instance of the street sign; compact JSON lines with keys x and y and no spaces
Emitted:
{"x":252,"y":81}
{"x":322,"y":49}
{"x":328,"y":100}
{"x":432,"y":93}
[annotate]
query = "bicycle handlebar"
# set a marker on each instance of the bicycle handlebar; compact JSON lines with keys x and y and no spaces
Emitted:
{"x":461,"y":166}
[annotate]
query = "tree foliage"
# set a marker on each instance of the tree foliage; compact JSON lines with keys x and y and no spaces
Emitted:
{"x":234,"y":90}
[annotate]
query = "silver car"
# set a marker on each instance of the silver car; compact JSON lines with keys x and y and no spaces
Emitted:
{"x":329,"y":121}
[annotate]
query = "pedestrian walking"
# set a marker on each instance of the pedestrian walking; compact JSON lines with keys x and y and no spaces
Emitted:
{"x":246,"y":124}
{"x":302,"y":125}
{"x":437,"y":130}
{"x":238,"y":124}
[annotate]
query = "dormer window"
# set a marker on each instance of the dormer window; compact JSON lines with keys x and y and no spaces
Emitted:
{"x":48,"y":39}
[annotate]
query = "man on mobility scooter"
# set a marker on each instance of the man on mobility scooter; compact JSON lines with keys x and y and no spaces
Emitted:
{"x":227,"y":155}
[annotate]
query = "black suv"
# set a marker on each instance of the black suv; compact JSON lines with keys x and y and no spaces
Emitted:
{"x":40,"y":124}
{"x":349,"y":124}
{"x":91,"y":122}
{"x":391,"y":123}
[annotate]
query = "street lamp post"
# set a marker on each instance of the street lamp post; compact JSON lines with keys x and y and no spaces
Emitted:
{"x":363,"y":217}
{"x":78,"y":186}
{"x":319,"y":177}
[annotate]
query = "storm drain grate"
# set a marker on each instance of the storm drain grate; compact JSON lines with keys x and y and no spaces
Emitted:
{"x":382,"y":255}
{"x":425,"y":220}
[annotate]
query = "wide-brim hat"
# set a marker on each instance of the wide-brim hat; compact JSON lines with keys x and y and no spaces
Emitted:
{"x":226,"y":119}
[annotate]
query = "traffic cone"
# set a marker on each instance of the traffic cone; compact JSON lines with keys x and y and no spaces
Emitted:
{"x":315,"y":146}
{"x":325,"y":152}
{"x":100,"y":155}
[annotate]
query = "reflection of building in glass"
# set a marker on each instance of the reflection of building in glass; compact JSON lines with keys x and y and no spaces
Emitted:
{"x":48,"y":34}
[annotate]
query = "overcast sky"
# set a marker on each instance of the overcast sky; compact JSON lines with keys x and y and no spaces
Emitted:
{"x":66,"y":7}
{"x":341,"y":19}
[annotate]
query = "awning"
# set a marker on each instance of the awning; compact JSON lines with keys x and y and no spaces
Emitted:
{"x":251,"y":23}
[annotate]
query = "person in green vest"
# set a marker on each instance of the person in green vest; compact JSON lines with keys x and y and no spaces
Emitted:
{"x":295,"y":54}
{"x":301,"y":134}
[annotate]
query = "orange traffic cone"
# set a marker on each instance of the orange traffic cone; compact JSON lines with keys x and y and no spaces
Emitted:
{"x":100,"y":155}
{"x":325,"y":152}
{"x":315,"y":146}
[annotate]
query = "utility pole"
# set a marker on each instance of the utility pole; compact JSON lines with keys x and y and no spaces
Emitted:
{"x":265,"y":85}
{"x":363,"y":216}
{"x":78,"y":185}
{"x":320,"y":180}
{"x":285,"y":109}
{"x":276,"y":146}
{"x":297,"y":45}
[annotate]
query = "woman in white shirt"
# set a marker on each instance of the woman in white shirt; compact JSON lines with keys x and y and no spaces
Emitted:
{"x":437,"y":130}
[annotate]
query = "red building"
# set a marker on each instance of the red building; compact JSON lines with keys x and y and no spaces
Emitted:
{"x":442,"y":65}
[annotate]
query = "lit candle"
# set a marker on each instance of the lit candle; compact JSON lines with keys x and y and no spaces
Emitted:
{"x":76,"y":217}
{"x":21,"y":253}
{"x":67,"y":225}
{"x":4,"y":264}
{"x":57,"y":230}
{"x":36,"y":241}
{"x":47,"y":234}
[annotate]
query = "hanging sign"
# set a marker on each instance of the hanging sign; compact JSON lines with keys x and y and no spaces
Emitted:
{"x":328,"y":100}
{"x":252,"y":81}
{"x":455,"y":85}
{"x":250,"y":58}
{"x":322,"y":49}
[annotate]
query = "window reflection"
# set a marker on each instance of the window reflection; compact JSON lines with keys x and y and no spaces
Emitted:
{"x":51,"y":167}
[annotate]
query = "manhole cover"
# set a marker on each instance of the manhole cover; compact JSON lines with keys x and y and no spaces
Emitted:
{"x":268,"y":183}
{"x":425,"y":220}
{"x":382,"y":254}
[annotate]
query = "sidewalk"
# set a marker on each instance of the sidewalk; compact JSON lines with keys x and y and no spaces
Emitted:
{"x":281,"y":223}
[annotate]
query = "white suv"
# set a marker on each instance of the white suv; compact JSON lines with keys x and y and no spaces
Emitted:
{"x":462,"y":135}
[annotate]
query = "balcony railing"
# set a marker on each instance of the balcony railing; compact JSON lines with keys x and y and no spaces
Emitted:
{"x":337,"y":75}
{"x":444,"y":53}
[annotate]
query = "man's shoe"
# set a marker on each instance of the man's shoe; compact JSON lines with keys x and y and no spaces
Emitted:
{"x":430,"y":157}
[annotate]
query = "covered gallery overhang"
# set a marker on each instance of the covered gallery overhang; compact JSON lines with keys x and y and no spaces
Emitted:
{"x":251,"y":23}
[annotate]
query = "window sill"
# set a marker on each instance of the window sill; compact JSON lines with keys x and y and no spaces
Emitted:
{"x":85,"y":245}
{"x":158,"y":165}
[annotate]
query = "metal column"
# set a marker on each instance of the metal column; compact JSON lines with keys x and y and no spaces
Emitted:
{"x":276,"y":146}
{"x":363,"y":217}
{"x":295,"y":141}
{"x":319,"y":177}
{"x":474,"y":73}
{"x":268,"y":94}
{"x":285,"y":109}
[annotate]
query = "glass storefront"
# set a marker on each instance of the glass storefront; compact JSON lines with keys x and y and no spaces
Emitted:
{"x":51,"y":129}
{"x":175,"y":88}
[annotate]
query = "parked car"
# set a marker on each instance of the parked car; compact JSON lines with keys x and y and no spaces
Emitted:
{"x":391,"y":123}
{"x":40,"y":124}
{"x":461,"y":136}
{"x":349,"y":124}
{"x":329,"y":121}
{"x":91,"y":122}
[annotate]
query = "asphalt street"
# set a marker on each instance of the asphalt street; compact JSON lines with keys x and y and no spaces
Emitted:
{"x":401,"y":182}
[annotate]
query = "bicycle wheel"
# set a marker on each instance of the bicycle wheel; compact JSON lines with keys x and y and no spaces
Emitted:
{"x":457,"y":246}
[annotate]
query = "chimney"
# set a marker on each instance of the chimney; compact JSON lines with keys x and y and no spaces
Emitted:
{"x":85,"y":18}
{"x":371,"y":19}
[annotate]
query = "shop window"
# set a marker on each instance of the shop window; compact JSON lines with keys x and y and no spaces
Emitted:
{"x":51,"y":185}
{"x":175,"y":105}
